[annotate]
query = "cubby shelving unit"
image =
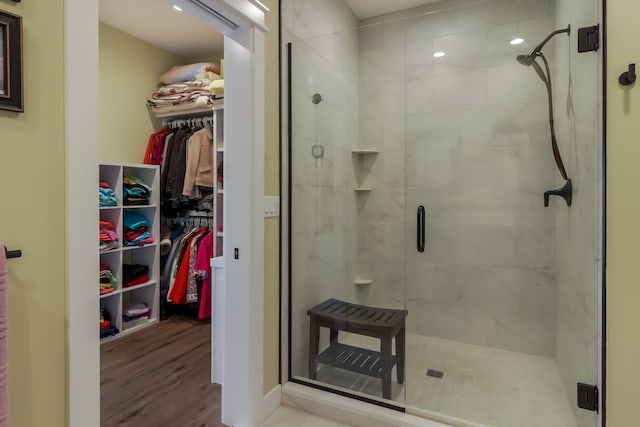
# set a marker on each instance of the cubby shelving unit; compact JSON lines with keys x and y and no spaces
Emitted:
{"x":117,"y":301}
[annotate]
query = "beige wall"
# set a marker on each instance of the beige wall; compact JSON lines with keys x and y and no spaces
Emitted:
{"x":129,"y":72}
{"x":272,"y":188}
{"x":32,"y":194}
{"x":623,"y":216}
{"x":208,"y":57}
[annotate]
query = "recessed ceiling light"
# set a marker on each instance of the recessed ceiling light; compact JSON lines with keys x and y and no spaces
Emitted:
{"x":438,"y":54}
{"x":517,"y":40}
{"x":178,"y":8}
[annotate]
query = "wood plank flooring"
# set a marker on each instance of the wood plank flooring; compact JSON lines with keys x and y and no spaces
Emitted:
{"x":160,"y":377}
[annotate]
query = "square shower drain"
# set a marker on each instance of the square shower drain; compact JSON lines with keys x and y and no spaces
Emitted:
{"x":435,"y":373}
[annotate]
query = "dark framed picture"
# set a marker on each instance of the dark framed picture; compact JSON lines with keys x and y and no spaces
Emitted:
{"x":11,"y":93}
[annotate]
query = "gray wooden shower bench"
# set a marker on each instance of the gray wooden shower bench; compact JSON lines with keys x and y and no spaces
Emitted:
{"x":382,"y":323}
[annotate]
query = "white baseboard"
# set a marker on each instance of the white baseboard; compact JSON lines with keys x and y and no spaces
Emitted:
{"x":271,"y":401}
{"x":351,"y":411}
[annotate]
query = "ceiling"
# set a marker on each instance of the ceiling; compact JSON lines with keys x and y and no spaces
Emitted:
{"x":156,"y":22}
{"x":364,"y":9}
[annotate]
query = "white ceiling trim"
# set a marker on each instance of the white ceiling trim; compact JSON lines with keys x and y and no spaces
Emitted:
{"x":159,"y":24}
{"x":364,"y":9}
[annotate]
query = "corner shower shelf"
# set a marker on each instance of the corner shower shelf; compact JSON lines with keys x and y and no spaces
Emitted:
{"x":365,"y":151}
{"x":362,"y":189}
{"x":360,"y":282}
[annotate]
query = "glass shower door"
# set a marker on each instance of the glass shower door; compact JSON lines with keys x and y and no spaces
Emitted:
{"x":502,"y":299}
{"x":347,"y":229}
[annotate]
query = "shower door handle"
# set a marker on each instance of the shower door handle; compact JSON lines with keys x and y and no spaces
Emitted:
{"x":420,"y":229}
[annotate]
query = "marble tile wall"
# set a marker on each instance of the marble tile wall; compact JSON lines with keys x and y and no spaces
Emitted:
{"x":473,"y":125}
{"x":577,"y":107}
{"x":324,"y":209}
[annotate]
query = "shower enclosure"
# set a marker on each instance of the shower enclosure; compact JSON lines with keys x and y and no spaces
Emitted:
{"x":420,"y":154}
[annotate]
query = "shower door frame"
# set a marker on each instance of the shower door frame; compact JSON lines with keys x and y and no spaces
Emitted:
{"x":286,"y":281}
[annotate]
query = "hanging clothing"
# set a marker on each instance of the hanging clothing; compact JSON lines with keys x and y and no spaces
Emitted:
{"x":178,"y":293}
{"x":203,"y":270}
{"x":199,"y":164}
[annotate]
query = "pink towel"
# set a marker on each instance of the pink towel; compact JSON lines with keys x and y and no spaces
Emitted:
{"x":4,"y":356}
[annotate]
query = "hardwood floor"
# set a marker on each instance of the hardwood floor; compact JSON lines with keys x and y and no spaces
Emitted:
{"x":160,"y":377}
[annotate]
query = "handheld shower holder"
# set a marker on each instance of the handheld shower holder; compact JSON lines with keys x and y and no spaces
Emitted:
{"x":566,"y":192}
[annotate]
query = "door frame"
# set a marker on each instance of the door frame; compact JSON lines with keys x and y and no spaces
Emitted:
{"x":244,"y":125}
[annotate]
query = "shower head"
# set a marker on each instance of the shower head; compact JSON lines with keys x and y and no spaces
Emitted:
{"x":528,"y":60}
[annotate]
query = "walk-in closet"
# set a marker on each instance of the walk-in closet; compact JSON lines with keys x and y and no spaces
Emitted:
{"x":161,"y":198}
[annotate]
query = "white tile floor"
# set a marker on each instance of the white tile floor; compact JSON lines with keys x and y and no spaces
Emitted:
{"x":285,"y":416}
{"x":482,"y":385}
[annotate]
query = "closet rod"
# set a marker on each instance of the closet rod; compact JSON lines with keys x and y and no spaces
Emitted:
{"x":17,"y":253}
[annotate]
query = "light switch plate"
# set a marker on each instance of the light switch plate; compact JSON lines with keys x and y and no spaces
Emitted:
{"x":271,"y":206}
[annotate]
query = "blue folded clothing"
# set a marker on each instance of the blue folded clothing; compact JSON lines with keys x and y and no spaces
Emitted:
{"x":135,"y":220}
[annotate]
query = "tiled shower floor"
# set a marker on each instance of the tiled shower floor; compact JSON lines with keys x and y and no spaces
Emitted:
{"x":481,"y":385}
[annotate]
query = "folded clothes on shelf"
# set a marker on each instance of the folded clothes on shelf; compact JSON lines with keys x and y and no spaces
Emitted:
{"x":107,"y":195}
{"x":134,"y":274}
{"x":135,"y":314}
{"x":106,"y":327}
{"x":107,"y":280}
{"x":136,"y":229}
{"x":107,"y":235}
{"x":135,"y":191}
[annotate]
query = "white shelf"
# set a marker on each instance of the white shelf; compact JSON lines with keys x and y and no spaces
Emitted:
{"x":221,"y":191}
{"x":106,"y":208}
{"x":110,"y":294}
{"x":362,"y":189}
{"x":130,"y":248}
{"x":220,"y":149}
{"x":138,"y":206}
{"x":125,"y":332}
{"x":141,"y":285}
{"x":218,"y":104}
{"x":361,"y":282}
{"x":220,"y":234}
{"x":365,"y":151}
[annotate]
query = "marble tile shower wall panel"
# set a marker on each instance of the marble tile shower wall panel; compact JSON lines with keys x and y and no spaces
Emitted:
{"x":381,"y":227}
{"x":478,"y":158}
{"x":577,"y":109}
{"x":323,"y":211}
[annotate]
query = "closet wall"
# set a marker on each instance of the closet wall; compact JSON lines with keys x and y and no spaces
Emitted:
{"x":129,"y":71}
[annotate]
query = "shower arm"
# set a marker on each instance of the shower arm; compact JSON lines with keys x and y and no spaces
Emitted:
{"x":538,"y":49}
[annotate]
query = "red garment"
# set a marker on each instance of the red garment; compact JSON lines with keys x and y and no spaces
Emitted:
{"x":178,"y":294}
{"x":147,"y":154}
{"x":202,"y":267}
{"x":143,"y":278}
{"x":106,"y":224}
{"x":155,"y":145}
{"x":133,"y":234}
{"x":156,"y":155}
{"x":104,"y":184}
